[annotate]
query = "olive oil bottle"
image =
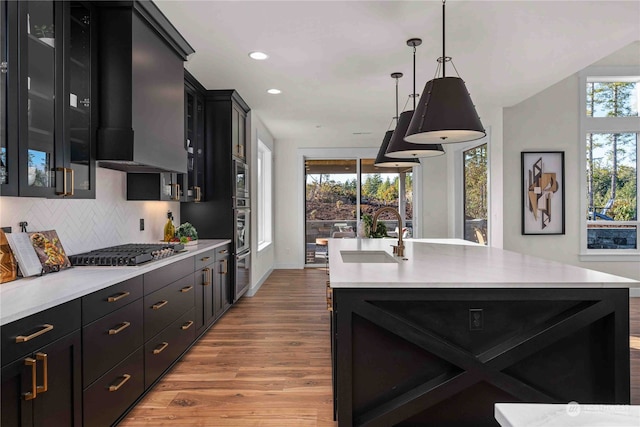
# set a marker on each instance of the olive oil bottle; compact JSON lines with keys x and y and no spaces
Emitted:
{"x":169,"y":228}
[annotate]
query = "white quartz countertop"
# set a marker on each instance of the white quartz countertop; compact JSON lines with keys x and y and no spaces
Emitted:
{"x":566,"y":415}
{"x":454,"y":263}
{"x":30,"y":295}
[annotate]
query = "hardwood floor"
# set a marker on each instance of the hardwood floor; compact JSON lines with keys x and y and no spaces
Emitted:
{"x":267,"y":362}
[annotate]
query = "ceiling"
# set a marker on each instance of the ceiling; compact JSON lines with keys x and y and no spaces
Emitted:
{"x":332,"y":60}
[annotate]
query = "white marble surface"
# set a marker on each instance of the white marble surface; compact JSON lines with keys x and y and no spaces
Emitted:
{"x":566,"y":415}
{"x":453,"y":263}
{"x":30,"y":295}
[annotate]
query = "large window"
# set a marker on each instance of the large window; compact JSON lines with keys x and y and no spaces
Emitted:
{"x":611,"y":126}
{"x":338,"y":192}
{"x":265,"y":196}
{"x":475,"y":194}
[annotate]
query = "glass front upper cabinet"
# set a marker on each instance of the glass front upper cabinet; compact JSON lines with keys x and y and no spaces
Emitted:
{"x":39,"y":50}
{"x":79,"y":135}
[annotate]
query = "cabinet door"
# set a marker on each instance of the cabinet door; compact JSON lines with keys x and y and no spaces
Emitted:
{"x":204,"y":297}
{"x":8,"y":99}
{"x":61,"y":404}
{"x":80,"y":134}
{"x":16,"y":381}
{"x":224,"y":279}
{"x":40,"y":47}
{"x":57,"y":402}
{"x":199,"y":154}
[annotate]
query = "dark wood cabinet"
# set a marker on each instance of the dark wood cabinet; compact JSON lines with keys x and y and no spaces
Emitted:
{"x":41,"y":384}
{"x":48,"y":148}
{"x":204,"y":279}
{"x":192,"y":183}
{"x":223,"y":282}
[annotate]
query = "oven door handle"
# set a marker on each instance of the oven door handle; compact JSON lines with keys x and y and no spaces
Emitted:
{"x":243,"y":255}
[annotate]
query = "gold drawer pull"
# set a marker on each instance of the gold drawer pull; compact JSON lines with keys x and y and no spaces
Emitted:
{"x":125,"y":378}
{"x":329,"y":305}
{"x":119,"y":296}
{"x":207,"y":258}
{"x":45,"y":328}
{"x":186,"y":288}
{"x":45,"y":373}
{"x":30,"y":395}
{"x":159,"y":305}
{"x":123,"y":326}
{"x":224,"y":251}
{"x":160,"y":348}
{"x":187,"y":325}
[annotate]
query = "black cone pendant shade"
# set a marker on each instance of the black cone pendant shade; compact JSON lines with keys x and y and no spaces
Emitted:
{"x":383,"y":161}
{"x":401,"y":149}
{"x":445,"y":114}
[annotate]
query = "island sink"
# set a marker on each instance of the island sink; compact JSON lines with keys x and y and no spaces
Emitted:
{"x":368,"y":257}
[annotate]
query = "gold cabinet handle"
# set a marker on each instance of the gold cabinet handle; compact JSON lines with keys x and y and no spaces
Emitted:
{"x":115,"y":387}
{"x":64,"y":182}
{"x":73,"y":175}
{"x":122,"y":327}
{"x":186,"y":289}
{"x":177,"y":190}
{"x":30,"y":395}
{"x":206,"y":258}
{"x":160,"y":304}
{"x":198,"y":194}
{"x":45,"y":373}
{"x":119,"y":296}
{"x":205,"y":279}
{"x":224,"y":266}
{"x":45,"y":328}
{"x":186,"y":325}
{"x":224,"y":251}
{"x":160,"y":348}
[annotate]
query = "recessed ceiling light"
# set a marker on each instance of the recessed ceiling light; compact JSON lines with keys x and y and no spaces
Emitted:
{"x":274,"y":91}
{"x":259,"y":56}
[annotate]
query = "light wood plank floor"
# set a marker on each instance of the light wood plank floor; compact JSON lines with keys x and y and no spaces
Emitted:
{"x":267,"y":363}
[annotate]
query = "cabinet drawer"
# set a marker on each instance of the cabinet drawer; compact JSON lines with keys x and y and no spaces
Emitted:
{"x":161,"y":277}
{"x":167,"y":304}
{"x":104,"y":401}
{"x":205,"y":258}
{"x":104,"y":301}
{"x":38,"y":330}
{"x":161,"y":351}
{"x":107,"y":341}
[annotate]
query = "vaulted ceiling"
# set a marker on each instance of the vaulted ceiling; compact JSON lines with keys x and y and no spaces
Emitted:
{"x":332,"y":60}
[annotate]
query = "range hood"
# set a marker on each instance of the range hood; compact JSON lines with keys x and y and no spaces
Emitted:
{"x":141,"y":85}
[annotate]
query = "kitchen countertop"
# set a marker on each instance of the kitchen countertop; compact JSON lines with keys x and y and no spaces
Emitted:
{"x":455,"y":263}
{"x":566,"y":415}
{"x":26,"y":296}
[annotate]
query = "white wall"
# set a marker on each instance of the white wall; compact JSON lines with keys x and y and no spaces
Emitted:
{"x":549,"y":121}
{"x":263,"y":260}
{"x":83,"y":225}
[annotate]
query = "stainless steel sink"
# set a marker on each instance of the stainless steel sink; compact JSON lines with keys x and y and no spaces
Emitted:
{"x":371,"y":257}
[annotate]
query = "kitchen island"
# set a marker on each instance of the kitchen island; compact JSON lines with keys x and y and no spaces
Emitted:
{"x":439,"y":336}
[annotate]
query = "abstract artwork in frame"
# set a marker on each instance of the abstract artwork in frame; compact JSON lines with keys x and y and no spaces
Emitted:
{"x":543,"y":192}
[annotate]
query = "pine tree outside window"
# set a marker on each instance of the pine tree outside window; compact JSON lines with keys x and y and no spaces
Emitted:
{"x":610,"y":127}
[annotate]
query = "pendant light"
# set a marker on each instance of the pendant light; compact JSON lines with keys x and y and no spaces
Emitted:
{"x":398,"y":146}
{"x":445,"y":113}
{"x":381,"y":159}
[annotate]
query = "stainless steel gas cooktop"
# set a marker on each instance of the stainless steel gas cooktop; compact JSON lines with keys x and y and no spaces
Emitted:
{"x":129,"y":254}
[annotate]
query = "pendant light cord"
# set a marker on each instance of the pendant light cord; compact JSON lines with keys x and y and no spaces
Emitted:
{"x":414,"y":78}
{"x":444,"y":57}
{"x":397,"y":101}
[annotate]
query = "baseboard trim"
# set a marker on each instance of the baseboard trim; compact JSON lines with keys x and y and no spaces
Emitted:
{"x":254,"y":289}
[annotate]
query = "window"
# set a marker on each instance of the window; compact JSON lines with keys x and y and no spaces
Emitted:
{"x":610,"y":128}
{"x":265,"y":190}
{"x":475,"y":194}
{"x":339,"y":192}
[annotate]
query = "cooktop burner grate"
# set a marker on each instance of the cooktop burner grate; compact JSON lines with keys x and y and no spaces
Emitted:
{"x":129,"y":254}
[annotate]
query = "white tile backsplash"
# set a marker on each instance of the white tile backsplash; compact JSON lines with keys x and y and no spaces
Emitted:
{"x":82,"y":225}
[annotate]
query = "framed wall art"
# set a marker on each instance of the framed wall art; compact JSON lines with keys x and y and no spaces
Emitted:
{"x":543,"y":192}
